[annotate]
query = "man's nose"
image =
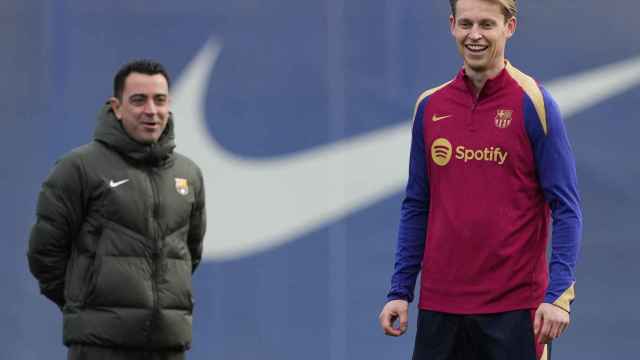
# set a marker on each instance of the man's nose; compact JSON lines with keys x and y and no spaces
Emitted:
{"x":475,"y":33}
{"x":150,"y":107}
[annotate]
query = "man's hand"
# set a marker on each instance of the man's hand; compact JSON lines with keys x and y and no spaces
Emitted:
{"x":550,"y":322}
{"x":392,"y":311}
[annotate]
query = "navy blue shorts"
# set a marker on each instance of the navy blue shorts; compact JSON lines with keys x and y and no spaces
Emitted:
{"x":502,"y":336}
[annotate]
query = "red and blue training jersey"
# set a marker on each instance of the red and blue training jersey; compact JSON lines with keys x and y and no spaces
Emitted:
{"x":486,"y":176}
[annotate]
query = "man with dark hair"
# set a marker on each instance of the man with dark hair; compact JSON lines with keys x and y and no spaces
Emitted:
{"x":147,"y":67}
{"x":490,"y":163}
{"x":119,"y":230}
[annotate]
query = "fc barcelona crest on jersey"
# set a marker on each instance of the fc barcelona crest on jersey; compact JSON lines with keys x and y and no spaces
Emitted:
{"x":503,"y":118}
{"x":182,"y":186}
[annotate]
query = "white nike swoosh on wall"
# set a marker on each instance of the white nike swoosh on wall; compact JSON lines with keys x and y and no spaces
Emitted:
{"x":255,"y":205}
{"x":578,"y":92}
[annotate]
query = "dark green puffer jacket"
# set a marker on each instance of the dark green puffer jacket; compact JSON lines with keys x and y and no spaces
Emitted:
{"x":118,"y":235}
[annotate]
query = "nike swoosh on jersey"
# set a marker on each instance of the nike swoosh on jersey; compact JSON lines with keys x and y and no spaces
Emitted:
{"x":269,"y":213}
{"x":117,"y":183}
{"x":435,"y":117}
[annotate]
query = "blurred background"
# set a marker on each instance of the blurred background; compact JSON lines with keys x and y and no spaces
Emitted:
{"x":298,"y":112}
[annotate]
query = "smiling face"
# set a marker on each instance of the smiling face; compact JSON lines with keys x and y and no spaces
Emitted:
{"x":143,"y":107}
{"x":481,"y":32}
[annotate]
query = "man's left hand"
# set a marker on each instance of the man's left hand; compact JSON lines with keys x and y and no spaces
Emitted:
{"x":549,"y":323}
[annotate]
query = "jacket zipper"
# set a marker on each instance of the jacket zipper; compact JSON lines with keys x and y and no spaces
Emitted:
{"x":155,"y":257}
{"x":471,"y":125}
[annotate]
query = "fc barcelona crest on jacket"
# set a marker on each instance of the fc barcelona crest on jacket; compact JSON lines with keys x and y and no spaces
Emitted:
{"x":503,"y":118}
{"x":182,"y":186}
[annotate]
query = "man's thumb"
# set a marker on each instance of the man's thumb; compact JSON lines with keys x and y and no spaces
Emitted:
{"x":403,"y":321}
{"x":537,"y":322}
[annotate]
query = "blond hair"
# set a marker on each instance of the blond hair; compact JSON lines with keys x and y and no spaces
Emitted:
{"x":509,"y":7}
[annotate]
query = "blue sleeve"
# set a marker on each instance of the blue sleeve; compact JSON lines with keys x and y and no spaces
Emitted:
{"x":555,"y":165}
{"x":413,"y":217}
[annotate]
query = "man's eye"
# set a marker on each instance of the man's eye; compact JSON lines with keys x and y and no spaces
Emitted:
{"x":160,"y":100}
{"x":137,"y":101}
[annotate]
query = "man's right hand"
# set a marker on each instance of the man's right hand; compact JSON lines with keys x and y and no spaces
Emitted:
{"x":392,"y":311}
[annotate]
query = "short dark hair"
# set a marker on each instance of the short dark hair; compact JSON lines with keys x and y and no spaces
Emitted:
{"x":142,"y":66}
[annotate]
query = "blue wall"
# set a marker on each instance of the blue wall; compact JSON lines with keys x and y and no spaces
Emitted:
{"x":293,"y":77}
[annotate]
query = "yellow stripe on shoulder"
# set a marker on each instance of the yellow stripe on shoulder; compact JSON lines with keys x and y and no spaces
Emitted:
{"x":425,"y":94}
{"x":564,"y":301}
{"x":532,"y":89}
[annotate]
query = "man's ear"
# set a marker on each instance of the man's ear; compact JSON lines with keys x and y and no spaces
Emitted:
{"x":511,"y":26}
{"x":452,"y":23}
{"x":115,"y":106}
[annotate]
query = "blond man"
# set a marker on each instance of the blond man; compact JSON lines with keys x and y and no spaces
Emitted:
{"x":490,"y":168}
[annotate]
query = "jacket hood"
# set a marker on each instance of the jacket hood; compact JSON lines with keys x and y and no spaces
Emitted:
{"x":110,"y":132}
